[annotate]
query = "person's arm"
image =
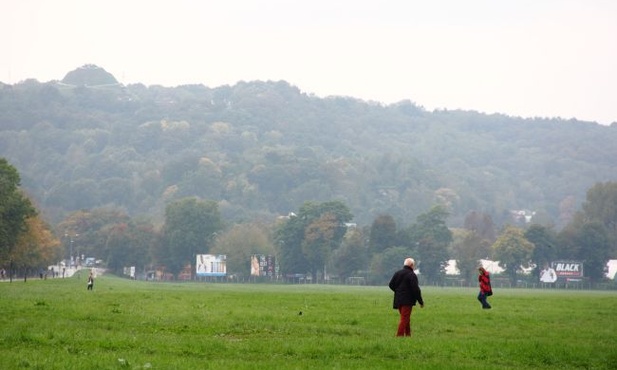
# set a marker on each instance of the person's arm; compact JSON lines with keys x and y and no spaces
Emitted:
{"x":416,"y":291}
{"x":393,"y":283}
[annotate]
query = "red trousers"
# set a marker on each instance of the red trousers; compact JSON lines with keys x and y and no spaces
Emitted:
{"x":404,"y":325}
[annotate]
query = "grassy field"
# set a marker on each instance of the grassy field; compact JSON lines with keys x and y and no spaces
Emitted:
{"x":58,"y":324}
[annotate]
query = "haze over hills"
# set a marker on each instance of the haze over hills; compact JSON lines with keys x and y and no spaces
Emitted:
{"x":263,"y":148}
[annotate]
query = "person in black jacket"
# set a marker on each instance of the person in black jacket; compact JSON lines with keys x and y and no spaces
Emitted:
{"x":404,"y":284}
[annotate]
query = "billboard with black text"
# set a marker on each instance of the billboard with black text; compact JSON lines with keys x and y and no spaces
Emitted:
{"x":568,"y":270}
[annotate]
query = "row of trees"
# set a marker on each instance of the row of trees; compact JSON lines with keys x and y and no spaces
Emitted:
{"x":308,"y":241}
{"x":26,"y":241}
{"x":109,"y":234}
{"x":319,"y":239}
{"x":590,"y":237}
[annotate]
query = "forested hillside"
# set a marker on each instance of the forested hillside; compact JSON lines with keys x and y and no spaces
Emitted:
{"x":261,"y":149}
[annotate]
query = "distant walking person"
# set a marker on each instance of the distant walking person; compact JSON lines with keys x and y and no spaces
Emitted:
{"x":485,"y":287}
{"x":90,"y":282}
{"x":404,"y":284}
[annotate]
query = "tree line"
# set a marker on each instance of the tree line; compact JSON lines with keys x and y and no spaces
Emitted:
{"x":319,"y":239}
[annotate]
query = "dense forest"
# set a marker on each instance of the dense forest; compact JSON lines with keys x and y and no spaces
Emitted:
{"x":261,"y":150}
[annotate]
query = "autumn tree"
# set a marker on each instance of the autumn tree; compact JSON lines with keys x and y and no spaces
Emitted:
{"x":320,"y":239}
{"x":89,"y":231}
{"x":36,"y":247}
{"x":306,"y":240}
{"x":15,"y":209}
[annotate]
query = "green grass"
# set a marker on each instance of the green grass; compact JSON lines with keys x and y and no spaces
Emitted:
{"x":58,"y":324}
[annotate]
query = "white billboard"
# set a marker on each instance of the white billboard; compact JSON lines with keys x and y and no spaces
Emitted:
{"x":211,"y":265}
{"x":548,"y":274}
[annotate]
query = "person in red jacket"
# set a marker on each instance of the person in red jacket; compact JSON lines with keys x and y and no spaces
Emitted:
{"x":404,"y":284}
{"x":485,"y":287}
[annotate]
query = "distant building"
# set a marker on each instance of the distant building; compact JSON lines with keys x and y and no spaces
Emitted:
{"x":522,"y":215}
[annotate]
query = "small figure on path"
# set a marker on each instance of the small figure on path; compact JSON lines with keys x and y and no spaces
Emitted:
{"x":90,"y":282}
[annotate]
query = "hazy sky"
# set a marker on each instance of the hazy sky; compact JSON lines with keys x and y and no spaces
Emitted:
{"x":528,"y":58}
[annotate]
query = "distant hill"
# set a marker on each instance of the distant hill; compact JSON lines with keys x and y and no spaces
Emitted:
{"x":89,"y":75}
{"x":262,"y":148}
